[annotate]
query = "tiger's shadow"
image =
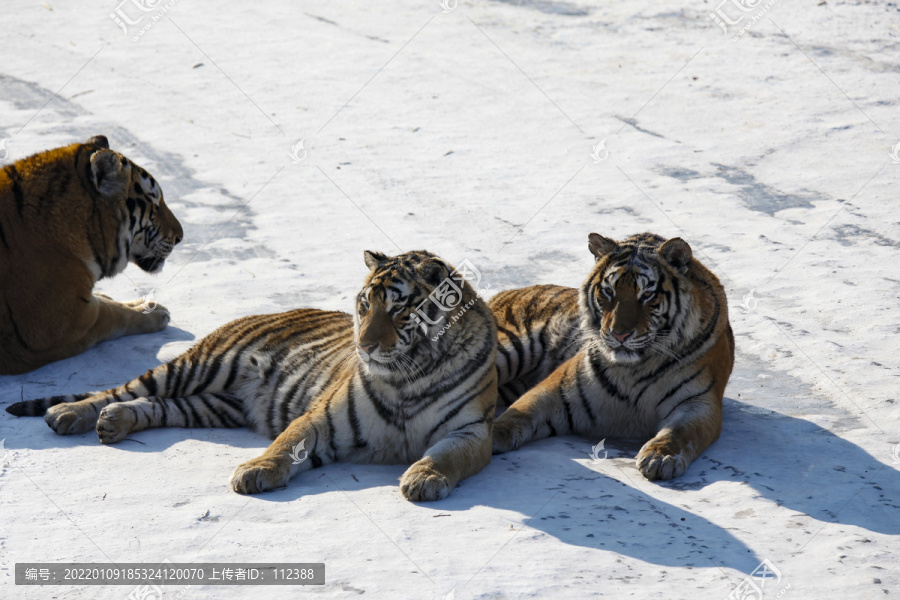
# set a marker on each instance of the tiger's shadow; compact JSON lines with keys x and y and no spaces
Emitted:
{"x":808,"y":474}
{"x":801,"y":466}
{"x":813,"y":476}
{"x":605,"y":504}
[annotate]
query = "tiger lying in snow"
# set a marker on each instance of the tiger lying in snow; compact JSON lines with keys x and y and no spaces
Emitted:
{"x":374,"y":387}
{"x":69,"y":217}
{"x":643,"y":349}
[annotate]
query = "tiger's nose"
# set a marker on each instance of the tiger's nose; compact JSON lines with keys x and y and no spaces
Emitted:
{"x":368,"y":348}
{"x":178,"y":238}
{"x":622,"y":336}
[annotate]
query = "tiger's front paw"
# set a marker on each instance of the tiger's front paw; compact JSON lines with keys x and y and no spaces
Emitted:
{"x":423,"y":483}
{"x":69,"y":419}
{"x":260,"y":475}
{"x":156,"y":317}
{"x":115,"y":422}
{"x":661,"y":459}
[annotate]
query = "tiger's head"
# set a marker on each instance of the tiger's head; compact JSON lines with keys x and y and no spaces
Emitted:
{"x":393,"y":326}
{"x":637,"y":298}
{"x":149,"y":230}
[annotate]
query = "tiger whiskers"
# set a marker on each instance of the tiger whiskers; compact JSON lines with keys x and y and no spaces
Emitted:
{"x":412,"y":371}
{"x":579,"y":338}
{"x":398,"y":366}
{"x":595,"y":344}
{"x":163,"y":250}
{"x":657,"y":347}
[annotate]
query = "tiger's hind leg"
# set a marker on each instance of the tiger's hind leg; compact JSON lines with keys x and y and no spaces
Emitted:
{"x":119,"y":419}
{"x":78,"y":416}
{"x":198,"y":371}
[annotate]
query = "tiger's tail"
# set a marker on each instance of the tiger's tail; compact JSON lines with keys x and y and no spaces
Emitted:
{"x":37,"y":408}
{"x":191,"y":373}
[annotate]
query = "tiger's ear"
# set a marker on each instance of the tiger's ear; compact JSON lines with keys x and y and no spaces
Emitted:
{"x":433,"y":272}
{"x":110,"y":173}
{"x":600,"y":246}
{"x":374,"y":259}
{"x":677,"y":252}
{"x":98,"y":140}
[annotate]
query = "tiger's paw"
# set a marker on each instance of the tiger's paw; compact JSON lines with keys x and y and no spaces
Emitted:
{"x":260,"y":475}
{"x":659,"y":459}
{"x":423,"y":483}
{"x":69,"y":419}
{"x":505,"y":436}
{"x":154,"y":319}
{"x":115,"y":422}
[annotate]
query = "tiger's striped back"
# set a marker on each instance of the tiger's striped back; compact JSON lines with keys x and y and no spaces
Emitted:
{"x":538,"y":330}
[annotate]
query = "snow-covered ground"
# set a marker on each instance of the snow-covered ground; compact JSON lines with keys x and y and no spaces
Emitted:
{"x":468,"y":130}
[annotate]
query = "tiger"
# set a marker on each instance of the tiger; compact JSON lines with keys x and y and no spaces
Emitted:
{"x":68,"y":218}
{"x":378,"y":386}
{"x":643,"y":349}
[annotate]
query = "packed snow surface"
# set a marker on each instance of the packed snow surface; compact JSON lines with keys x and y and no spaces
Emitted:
{"x":289,"y":137}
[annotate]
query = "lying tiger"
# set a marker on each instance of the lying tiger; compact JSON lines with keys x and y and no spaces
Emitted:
{"x":374,"y":387}
{"x":69,"y":217}
{"x":643,"y":350}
